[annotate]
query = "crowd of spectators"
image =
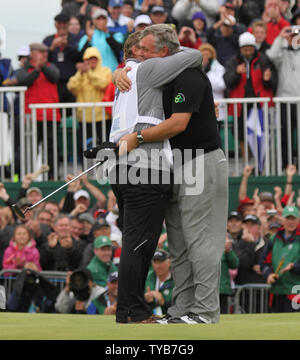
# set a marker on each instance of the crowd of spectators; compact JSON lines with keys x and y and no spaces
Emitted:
{"x":248,"y":50}
{"x":80,"y":235}
{"x":251,"y":50}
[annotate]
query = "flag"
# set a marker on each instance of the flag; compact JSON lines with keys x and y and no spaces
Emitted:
{"x":255,"y":125}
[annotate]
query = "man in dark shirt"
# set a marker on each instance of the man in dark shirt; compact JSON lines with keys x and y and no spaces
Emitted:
{"x":196,"y":215}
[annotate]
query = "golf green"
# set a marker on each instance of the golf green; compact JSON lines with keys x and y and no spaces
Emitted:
{"x":23,"y":326}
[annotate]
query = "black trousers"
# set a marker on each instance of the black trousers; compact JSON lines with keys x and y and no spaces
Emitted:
{"x":142,"y":212}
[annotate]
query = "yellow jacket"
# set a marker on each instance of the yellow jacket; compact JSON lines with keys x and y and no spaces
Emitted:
{"x":90,"y":86}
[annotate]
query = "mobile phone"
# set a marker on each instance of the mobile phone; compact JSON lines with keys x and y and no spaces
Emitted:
{"x":272,"y":212}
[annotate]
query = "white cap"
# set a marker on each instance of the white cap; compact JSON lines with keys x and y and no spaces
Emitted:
{"x":99,"y":12}
{"x":231,"y":22}
{"x":81,"y":193}
{"x":142,"y":19}
{"x":247,"y":39}
{"x":24,"y":51}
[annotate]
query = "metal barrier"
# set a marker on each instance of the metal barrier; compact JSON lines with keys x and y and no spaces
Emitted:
{"x":266,"y":126}
{"x":12,"y":119}
{"x":7,"y":278}
{"x":251,"y":298}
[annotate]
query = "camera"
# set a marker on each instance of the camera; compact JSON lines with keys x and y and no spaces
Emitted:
{"x":79,"y":284}
{"x":295,"y":30}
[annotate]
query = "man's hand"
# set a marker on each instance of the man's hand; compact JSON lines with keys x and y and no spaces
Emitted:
{"x":52,"y":240}
{"x":285,"y":33}
{"x":289,"y":267}
{"x":228,"y":244}
{"x":272,"y":278}
{"x":27,"y":181}
{"x":3,"y":193}
{"x":89,"y":29}
{"x":121,"y":80}
{"x":267,"y":75}
{"x":66,"y":242}
{"x":127,"y":143}
{"x":74,"y":186}
{"x":148,"y":296}
{"x":241,"y":69}
{"x":80,"y":208}
{"x":247,"y":236}
{"x":291,"y":170}
{"x":248,"y":170}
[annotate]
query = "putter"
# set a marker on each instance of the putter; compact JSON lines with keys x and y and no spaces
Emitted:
{"x":104,"y":146}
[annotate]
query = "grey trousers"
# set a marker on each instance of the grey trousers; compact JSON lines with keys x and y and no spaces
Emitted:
{"x":196,"y":227}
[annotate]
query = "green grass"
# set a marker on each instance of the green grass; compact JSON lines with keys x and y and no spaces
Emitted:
{"x":21,"y":326}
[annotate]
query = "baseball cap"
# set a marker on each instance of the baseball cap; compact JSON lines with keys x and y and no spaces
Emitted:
{"x":230,"y":23}
{"x":113,"y":276}
{"x":290,"y":211}
{"x":38,"y":47}
{"x":266,"y":196}
{"x":252,"y":218}
{"x":86,"y":217}
{"x":99,"y":12}
{"x":229,"y":5}
{"x":160,"y":255}
{"x":33,"y":189}
{"x":23,"y":202}
{"x":24,"y":51}
{"x":142,"y":19}
{"x":81,"y":193}
{"x":235,"y":214}
{"x":62,"y":18}
{"x":274,"y":226}
{"x":115,"y":3}
{"x":102,"y":241}
{"x":247,"y":39}
{"x":157,"y":9}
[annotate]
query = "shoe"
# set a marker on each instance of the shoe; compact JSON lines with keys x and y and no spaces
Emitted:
{"x":164,"y":320}
{"x":192,"y":318}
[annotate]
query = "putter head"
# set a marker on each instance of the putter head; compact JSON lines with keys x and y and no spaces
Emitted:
{"x":92,"y":153}
{"x":18,"y":211}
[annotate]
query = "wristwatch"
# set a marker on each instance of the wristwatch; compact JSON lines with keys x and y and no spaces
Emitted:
{"x":140,"y":138}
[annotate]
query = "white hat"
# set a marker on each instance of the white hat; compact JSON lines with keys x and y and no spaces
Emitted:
{"x":142,"y":19}
{"x":247,"y":39}
{"x":99,"y":12}
{"x":231,"y":22}
{"x":24,"y":51}
{"x":81,"y":193}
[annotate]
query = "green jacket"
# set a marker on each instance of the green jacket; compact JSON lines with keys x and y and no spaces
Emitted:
{"x":101,"y":270}
{"x":229,"y":260}
{"x":166,"y":289}
{"x":289,"y":252}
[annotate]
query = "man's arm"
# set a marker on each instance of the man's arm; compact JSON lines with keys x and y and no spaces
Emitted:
{"x":167,"y":129}
{"x":157,"y":72}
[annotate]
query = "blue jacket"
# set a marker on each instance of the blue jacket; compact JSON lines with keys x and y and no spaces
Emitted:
{"x":101,"y":40}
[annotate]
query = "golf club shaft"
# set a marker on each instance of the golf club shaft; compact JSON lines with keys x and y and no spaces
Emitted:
{"x":66,"y":184}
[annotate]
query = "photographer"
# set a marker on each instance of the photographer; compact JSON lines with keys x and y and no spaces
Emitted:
{"x":78,"y":293}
